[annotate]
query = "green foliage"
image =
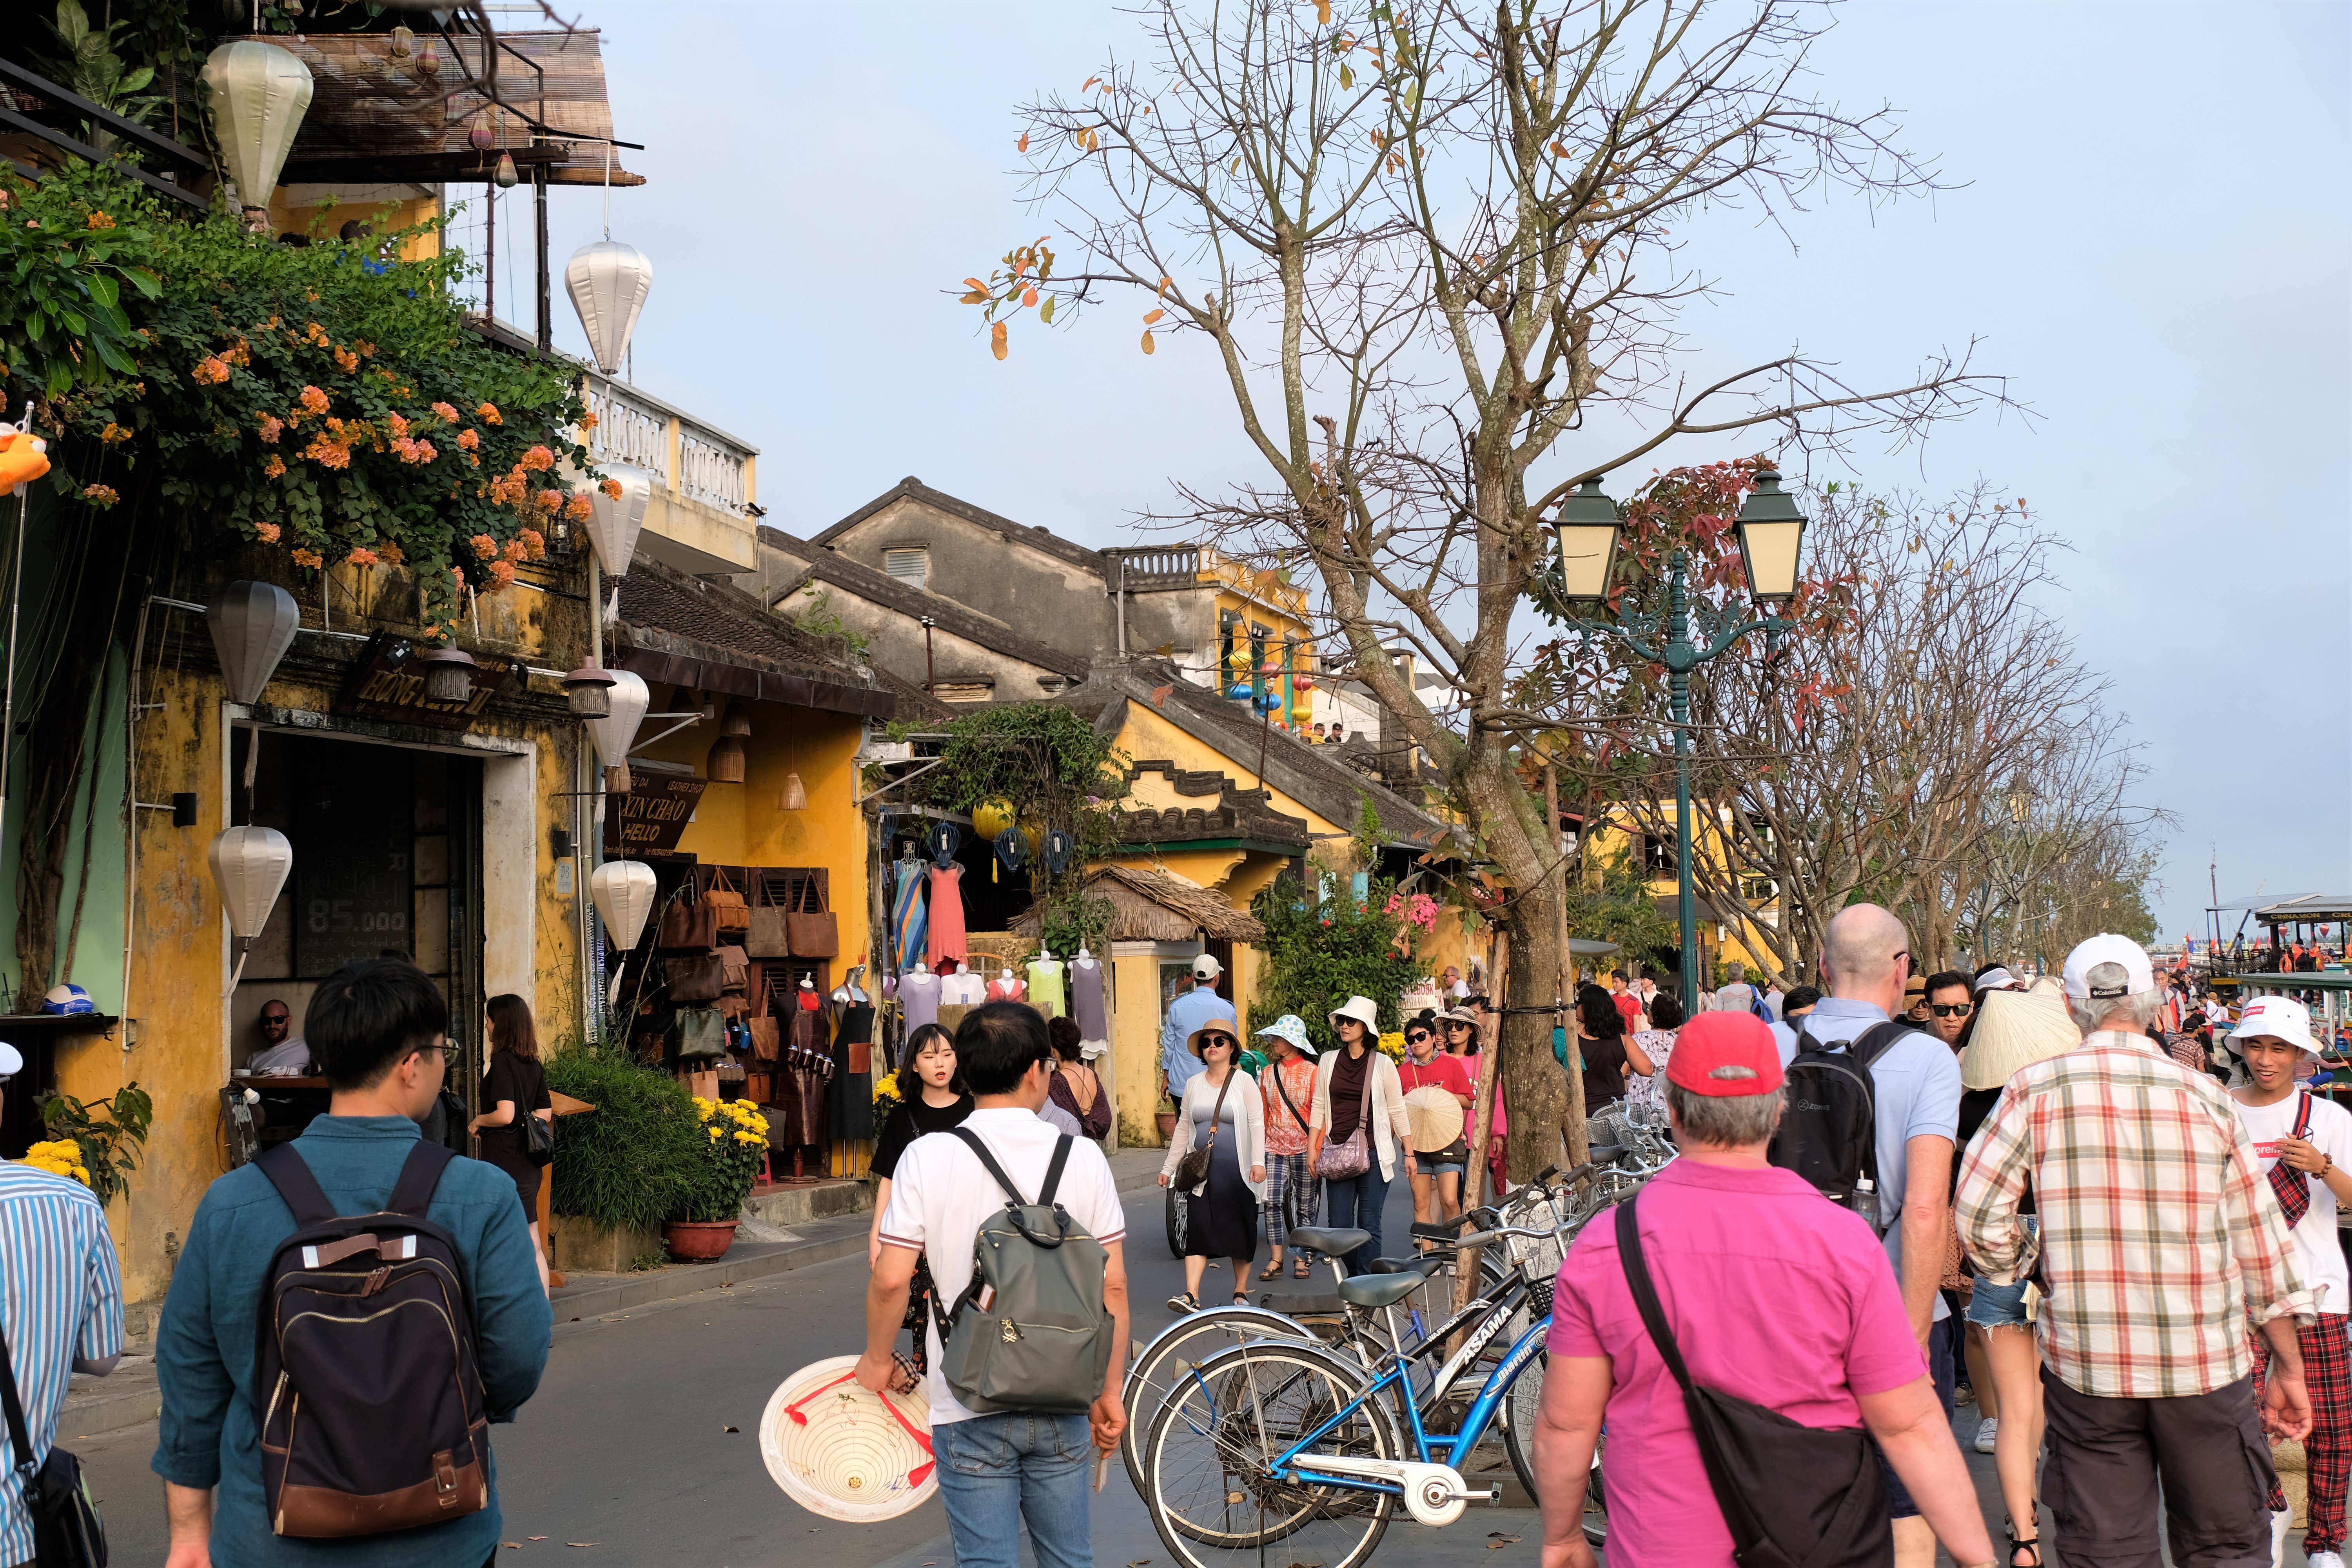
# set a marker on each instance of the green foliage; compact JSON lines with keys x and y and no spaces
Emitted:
{"x":93,"y":68}
{"x":1320,"y":955}
{"x":1074,"y":922}
{"x":1052,"y":768}
{"x":1620,"y":909}
{"x":317,"y":398}
{"x":627,"y":1162}
{"x":820,"y":619}
{"x":646,"y":1262}
{"x":734,"y":1140}
{"x":109,"y":1135}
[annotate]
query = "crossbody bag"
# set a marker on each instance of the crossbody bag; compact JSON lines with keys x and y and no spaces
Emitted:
{"x":1193,"y":1170}
{"x":67,"y":1531}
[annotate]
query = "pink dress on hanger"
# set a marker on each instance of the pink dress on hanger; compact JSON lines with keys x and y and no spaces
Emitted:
{"x":1013,"y":989}
{"x":947,"y":934}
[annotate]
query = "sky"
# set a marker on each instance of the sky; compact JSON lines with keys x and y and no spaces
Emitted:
{"x":2147,"y":234}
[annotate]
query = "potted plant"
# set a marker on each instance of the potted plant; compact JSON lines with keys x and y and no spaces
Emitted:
{"x":709,"y":1203}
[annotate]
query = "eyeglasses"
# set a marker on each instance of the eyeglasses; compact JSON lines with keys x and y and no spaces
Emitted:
{"x":1416,"y":1036}
{"x":269,"y":1019}
{"x":1214,"y":1042}
{"x":1951,"y":1009}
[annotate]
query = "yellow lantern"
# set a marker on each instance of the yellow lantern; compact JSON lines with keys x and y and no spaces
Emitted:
{"x":990,"y":817}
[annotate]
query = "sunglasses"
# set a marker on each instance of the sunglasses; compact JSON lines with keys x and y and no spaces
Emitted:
{"x":1415,"y":1037}
{"x":1211,"y":1041}
{"x":276,"y":1018}
{"x":1951,"y":1009}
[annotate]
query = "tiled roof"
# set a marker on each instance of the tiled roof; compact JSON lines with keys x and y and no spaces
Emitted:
{"x":913,"y":489}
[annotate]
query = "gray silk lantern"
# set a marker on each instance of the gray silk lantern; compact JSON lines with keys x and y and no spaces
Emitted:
{"x":252,"y":623}
{"x":258,"y":94}
{"x":249,"y":866}
{"x":614,"y":525}
{"x":608,"y":282}
{"x":615,"y":732}
{"x":624,"y":893}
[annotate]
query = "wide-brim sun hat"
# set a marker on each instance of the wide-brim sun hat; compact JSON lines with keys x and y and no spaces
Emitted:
{"x":1459,"y":1016}
{"x":2014,"y":1030}
{"x":1290,"y":1027}
{"x":1363,"y":1010}
{"x":1225,"y":1025}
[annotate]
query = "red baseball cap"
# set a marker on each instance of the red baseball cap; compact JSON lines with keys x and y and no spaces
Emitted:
{"x":1725,"y":1055}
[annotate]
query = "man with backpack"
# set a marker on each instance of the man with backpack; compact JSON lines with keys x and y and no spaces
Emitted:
{"x":399,"y":1332}
{"x":1855,"y":1068}
{"x":1011,"y":1412}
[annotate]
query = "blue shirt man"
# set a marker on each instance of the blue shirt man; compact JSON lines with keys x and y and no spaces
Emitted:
{"x":1200,"y":1006}
{"x":204,"y":1345}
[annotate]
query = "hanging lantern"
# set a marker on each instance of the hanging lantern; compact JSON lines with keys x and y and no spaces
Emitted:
{"x":944,"y":839}
{"x":725,"y":763}
{"x":1056,"y":852}
{"x":260,"y":94}
{"x":589,"y":690}
{"x":991,"y":818}
{"x":403,"y":44}
{"x":1011,"y":849}
{"x":448,"y":674}
{"x":428,"y":63}
{"x":615,"y":733}
{"x":253,"y":624}
{"x":479,"y":137}
{"x":737,"y":721}
{"x":608,"y":282}
{"x":617,"y":779}
{"x":249,"y":866}
{"x":625,"y":894}
{"x":613,"y":525}
{"x":794,"y":797}
{"x":1271,"y":667}
{"x":1302,"y":681}
{"x":1240,"y":691}
{"x":505,"y":172}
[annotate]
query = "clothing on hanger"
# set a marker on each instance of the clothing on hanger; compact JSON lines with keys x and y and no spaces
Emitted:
{"x":1045,"y":991}
{"x":946,"y":933}
{"x":963,"y":989}
{"x":1007,"y":987}
{"x":1087,"y":1009}
{"x":918,"y":998}
{"x":909,"y":919}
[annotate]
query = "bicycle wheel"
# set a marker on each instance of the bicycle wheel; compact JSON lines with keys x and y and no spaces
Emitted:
{"x":1518,"y":1414}
{"x":1182,"y":1346}
{"x":1208,"y":1471}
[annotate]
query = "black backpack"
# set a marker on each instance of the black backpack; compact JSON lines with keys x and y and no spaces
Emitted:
{"x":364,"y":1378}
{"x":1829,"y":1134}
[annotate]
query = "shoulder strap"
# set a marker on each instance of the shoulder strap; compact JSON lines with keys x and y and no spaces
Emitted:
{"x":1805,"y":1041}
{"x":420,"y":1175}
{"x":1875,"y":1041}
{"x":291,"y":1175}
{"x":2303,"y":1114}
{"x":972,"y":1140}
{"x":1283,"y":1090}
{"x":1053,"y":1171}
{"x":20,"y":1441}
{"x":1646,"y":1294}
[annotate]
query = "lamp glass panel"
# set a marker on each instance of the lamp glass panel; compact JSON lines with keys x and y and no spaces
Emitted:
{"x":1587,"y":551}
{"x":1770,"y":550}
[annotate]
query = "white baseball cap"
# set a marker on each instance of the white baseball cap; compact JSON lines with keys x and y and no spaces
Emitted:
{"x":2108,"y":948}
{"x":2280,"y":1017}
{"x":11,"y":1064}
{"x":1206,"y":967}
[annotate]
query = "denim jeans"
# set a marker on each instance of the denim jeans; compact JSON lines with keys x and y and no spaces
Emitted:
{"x":997,"y":1471}
{"x":1356,"y":1204}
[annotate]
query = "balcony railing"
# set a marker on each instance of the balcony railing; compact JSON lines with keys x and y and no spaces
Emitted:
{"x":694,"y":459}
{"x":1154,"y":566}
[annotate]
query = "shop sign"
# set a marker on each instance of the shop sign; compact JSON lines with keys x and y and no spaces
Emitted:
{"x":647,"y":822}
{"x":386,"y":685}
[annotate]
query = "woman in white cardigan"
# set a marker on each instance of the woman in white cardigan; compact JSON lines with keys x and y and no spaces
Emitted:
{"x":1357,"y":1067}
{"x":1221,"y":1113}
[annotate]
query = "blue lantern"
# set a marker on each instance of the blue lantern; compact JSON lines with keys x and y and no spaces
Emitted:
{"x":1240,"y":691}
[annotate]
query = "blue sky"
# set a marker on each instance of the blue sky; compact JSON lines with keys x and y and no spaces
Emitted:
{"x":2149,"y":235}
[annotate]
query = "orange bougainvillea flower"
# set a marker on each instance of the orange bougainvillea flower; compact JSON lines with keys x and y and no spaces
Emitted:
{"x":391,"y":552}
{"x":316,"y":333}
{"x":309,"y":558}
{"x":579,"y":507}
{"x":501,"y":575}
{"x":347,"y":360}
{"x":489,"y":412}
{"x":312,"y":400}
{"x":468,"y":439}
{"x":538,"y":460}
{"x":275,"y":467}
{"x":612,"y":488}
{"x":268,"y":531}
{"x":516,"y":550}
{"x":443,"y":411}
{"x":534,"y":543}
{"x":100,"y":495}
{"x":588,"y":422}
{"x":99,"y":220}
{"x":332,"y":454}
{"x":364,"y":558}
{"x":399,"y":424}
{"x":211,"y":372}
{"x":548,"y":501}
{"x":485,"y":547}
{"x":272,"y":428}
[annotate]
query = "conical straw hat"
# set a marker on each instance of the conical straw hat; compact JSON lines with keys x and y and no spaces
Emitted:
{"x":1435,"y":1116}
{"x":841,"y":1452}
{"x":2014,"y":1030}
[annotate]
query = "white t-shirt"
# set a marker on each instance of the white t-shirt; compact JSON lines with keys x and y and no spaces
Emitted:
{"x":2314,"y":1239}
{"x":940,"y":1194}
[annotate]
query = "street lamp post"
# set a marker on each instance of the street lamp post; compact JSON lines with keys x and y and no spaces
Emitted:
{"x":1771,"y":537}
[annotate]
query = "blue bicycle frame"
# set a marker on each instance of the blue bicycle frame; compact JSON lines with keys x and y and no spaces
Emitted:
{"x":1426,"y":1443}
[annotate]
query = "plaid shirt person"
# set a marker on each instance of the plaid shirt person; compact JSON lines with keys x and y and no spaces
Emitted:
{"x":2160,"y":1236}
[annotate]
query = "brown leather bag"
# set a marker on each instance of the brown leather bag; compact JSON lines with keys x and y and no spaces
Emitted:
{"x":766,"y":936}
{"x":688,"y":925}
{"x":699,"y":977}
{"x":861,"y":1057}
{"x":767,"y":1038}
{"x":809,"y":926}
{"x":738,"y":967}
{"x":733,"y":916}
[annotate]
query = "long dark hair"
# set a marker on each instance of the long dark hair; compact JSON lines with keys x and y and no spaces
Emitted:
{"x":512,"y":1028}
{"x":1597,"y":1011}
{"x":916,"y":1045}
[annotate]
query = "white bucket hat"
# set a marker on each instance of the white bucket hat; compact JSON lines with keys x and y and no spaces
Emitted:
{"x":1290,"y":1027}
{"x":2280,"y":1017}
{"x":1360,"y":1008}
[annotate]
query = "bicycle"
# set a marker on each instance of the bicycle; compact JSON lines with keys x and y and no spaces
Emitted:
{"x":1272,"y":1438}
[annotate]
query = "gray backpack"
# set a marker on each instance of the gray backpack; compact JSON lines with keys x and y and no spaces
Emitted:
{"x":1030,"y":1331}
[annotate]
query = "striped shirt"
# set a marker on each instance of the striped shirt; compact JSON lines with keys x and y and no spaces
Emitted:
{"x":60,"y":1298}
{"x":2159,"y":1235}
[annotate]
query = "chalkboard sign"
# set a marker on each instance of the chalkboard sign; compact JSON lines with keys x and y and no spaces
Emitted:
{"x":355,"y":841}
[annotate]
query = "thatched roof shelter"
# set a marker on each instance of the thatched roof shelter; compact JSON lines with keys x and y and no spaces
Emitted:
{"x":1154,"y":906}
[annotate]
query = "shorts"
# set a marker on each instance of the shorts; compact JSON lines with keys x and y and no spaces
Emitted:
{"x":1437,"y":1164}
{"x":1997,"y":1306}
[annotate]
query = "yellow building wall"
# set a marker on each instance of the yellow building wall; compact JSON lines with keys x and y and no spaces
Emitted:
{"x":295,"y":210}
{"x":1146,"y":734}
{"x":1135,"y":1049}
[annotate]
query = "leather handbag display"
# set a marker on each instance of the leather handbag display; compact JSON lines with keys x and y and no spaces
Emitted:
{"x":809,"y":926}
{"x":736,"y":967}
{"x":700,"y":1032}
{"x":766,"y":936}
{"x":730,"y":912}
{"x":688,"y":925}
{"x":699,"y":978}
{"x":767,"y":1038}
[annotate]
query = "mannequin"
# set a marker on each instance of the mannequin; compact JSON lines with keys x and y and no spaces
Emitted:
{"x":1087,"y":1009}
{"x":919,"y":996}
{"x":849,"y":1102}
{"x":962,"y":988}
{"x":1045,"y":991}
{"x":806,"y":1072}
{"x":1006,"y":987}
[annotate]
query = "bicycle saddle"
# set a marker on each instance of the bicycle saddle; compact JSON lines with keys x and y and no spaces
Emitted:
{"x":1378,"y":1290}
{"x":1300,"y":1304}
{"x":1331,"y":1241}
{"x":1424,"y":1265}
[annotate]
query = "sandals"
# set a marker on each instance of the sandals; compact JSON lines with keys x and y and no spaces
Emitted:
{"x":1271,"y":1271}
{"x":2031,"y":1543}
{"x":1240,"y":1299}
{"x":1182,"y":1302}
{"x":1301,"y":1269}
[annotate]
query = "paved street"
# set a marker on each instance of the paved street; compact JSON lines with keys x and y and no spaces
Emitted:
{"x":627,"y":1447}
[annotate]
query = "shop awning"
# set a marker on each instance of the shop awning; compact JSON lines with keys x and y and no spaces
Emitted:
{"x":741,"y":677}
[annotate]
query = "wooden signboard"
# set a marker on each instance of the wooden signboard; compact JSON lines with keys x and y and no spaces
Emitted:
{"x":647,"y":823}
{"x":386,"y":685}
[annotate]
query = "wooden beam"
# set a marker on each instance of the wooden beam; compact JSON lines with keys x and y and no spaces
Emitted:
{"x":128,"y":130}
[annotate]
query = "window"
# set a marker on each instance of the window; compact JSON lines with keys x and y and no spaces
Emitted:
{"x":912,"y":567}
{"x":964,"y":690}
{"x":1658,"y":854}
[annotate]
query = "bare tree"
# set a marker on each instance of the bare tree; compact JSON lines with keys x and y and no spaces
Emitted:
{"x":1431,"y":245}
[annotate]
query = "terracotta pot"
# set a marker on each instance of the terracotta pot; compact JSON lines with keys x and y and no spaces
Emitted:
{"x":698,"y":1240}
{"x":1167,"y":1126}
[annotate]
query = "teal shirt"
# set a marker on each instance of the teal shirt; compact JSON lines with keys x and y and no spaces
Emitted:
{"x":204,"y":1344}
